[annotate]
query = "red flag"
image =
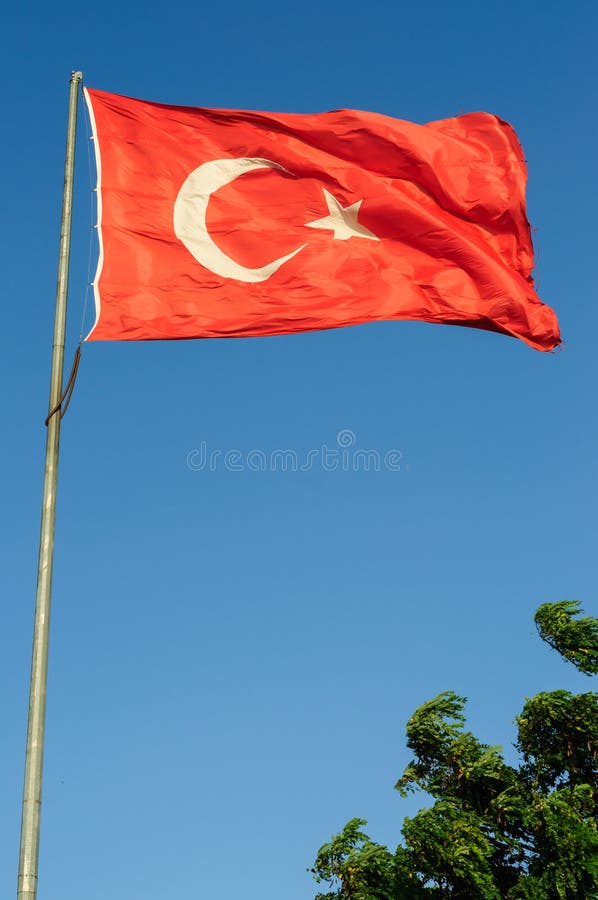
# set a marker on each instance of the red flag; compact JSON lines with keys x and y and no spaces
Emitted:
{"x":221,"y":223}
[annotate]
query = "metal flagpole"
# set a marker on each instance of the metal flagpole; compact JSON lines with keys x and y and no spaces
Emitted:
{"x":32,"y":788}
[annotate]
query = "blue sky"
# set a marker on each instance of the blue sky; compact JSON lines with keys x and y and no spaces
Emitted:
{"x":235,"y":654}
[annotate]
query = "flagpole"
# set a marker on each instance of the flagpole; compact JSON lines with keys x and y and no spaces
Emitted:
{"x":32,"y":787}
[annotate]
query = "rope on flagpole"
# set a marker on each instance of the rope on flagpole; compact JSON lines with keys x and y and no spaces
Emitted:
{"x":67,"y":393}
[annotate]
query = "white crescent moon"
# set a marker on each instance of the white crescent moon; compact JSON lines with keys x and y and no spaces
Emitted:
{"x":190,"y":209}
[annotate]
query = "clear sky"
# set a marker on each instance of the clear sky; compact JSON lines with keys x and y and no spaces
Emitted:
{"x":235,"y":654}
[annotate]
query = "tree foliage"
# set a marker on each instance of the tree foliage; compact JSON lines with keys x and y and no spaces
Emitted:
{"x":494,"y":832}
{"x":576,"y":639}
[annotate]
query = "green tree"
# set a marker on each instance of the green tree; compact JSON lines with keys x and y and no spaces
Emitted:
{"x":494,"y":831}
{"x":574,"y":637}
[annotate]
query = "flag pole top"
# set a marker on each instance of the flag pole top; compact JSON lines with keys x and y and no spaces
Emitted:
{"x":76,"y":76}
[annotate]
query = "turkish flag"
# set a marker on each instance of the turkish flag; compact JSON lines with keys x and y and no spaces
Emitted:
{"x":223,"y":223}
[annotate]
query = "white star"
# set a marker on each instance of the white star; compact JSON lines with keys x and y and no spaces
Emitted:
{"x":342,"y":220}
